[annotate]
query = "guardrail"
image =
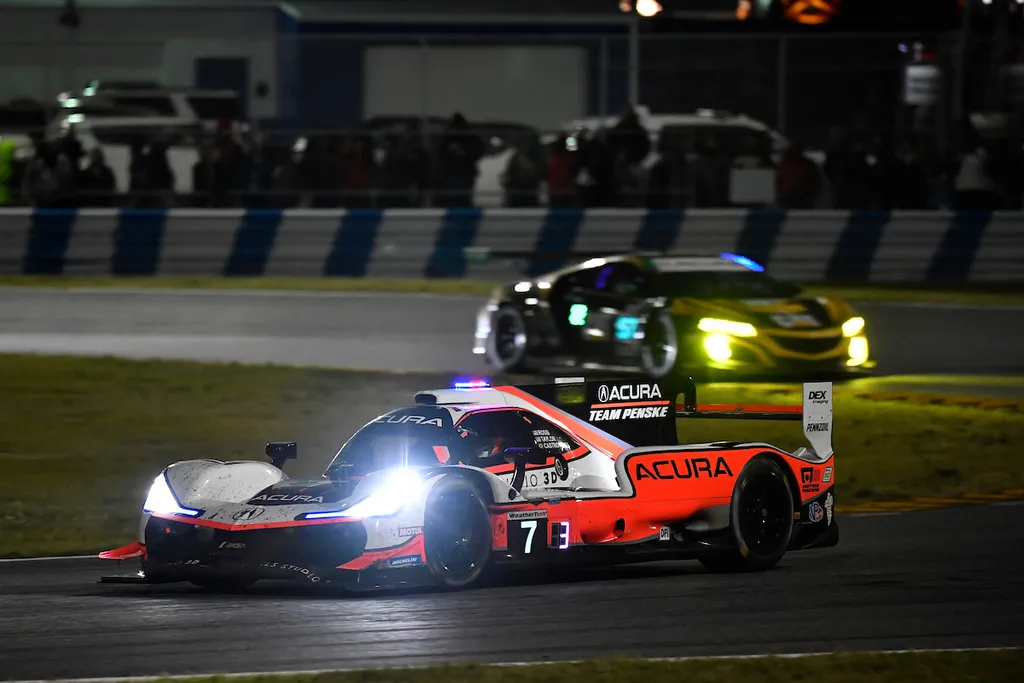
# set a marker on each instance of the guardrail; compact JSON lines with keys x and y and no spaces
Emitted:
{"x":811,"y":246}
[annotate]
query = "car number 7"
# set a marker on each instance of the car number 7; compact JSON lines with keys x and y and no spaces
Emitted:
{"x":530,"y":524}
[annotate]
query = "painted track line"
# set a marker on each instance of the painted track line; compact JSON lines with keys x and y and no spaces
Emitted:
{"x":268,"y":293}
{"x":319,"y":672}
{"x":54,"y":558}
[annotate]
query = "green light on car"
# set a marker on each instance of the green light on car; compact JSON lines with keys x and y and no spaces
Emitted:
{"x":578,"y":315}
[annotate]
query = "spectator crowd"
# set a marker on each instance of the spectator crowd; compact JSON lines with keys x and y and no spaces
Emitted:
{"x":612,"y":167}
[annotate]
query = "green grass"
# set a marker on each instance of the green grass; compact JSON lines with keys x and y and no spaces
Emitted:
{"x":82,"y":438}
{"x":913,"y":667}
{"x":981,"y":296}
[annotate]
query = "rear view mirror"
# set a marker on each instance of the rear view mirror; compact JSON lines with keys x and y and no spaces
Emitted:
{"x":527,"y":455}
{"x":280,"y":451}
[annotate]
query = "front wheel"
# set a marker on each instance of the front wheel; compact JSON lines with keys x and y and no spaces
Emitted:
{"x":506,"y":344}
{"x":761,"y":520}
{"x":660,"y":346}
{"x":457,"y":534}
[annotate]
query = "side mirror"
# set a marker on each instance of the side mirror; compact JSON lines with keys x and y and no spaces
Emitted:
{"x":280,"y":451}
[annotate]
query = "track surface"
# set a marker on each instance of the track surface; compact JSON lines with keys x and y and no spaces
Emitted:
{"x":411,"y":332}
{"x":945,"y":578}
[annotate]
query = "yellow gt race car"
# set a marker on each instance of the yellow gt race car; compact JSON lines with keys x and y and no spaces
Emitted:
{"x":659,"y":314}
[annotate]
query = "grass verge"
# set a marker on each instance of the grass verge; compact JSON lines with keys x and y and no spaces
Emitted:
{"x":82,"y":438}
{"x":933,"y":667}
{"x":978,"y":296}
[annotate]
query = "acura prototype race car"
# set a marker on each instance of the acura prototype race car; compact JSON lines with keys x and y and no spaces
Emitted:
{"x":468,"y":481}
{"x":693,"y":315}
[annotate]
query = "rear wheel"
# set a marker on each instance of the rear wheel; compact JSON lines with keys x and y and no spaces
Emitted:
{"x":506,"y":345}
{"x":457,"y":534}
{"x":761,"y":520}
{"x":660,"y":347}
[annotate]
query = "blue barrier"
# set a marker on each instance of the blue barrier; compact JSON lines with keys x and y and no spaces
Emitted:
{"x":812,"y":246}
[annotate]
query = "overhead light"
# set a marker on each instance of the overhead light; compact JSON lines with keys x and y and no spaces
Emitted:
{"x":647,"y":8}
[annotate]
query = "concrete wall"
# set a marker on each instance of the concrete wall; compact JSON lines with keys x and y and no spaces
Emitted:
{"x":39,"y":57}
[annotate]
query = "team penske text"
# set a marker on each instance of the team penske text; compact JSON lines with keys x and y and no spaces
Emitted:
{"x":628,"y":413}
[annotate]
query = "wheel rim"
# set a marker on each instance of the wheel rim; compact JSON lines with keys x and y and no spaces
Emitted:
{"x":660,"y":346}
{"x":509,"y":338}
{"x":457,"y":535}
{"x":766,"y":515}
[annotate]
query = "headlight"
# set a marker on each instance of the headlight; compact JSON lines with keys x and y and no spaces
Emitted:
{"x":717,"y":347}
{"x":161,"y":500}
{"x":853,"y":327}
{"x":398,"y":488}
{"x":858,"y":351}
{"x":732,"y":327}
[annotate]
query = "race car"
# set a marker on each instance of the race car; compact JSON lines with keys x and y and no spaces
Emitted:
{"x":471,"y":481}
{"x":697,"y":315}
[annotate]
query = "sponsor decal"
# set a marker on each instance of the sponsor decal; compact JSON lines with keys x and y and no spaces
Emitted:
{"x":287,"y":498}
{"x":545,"y":439}
{"x":304,"y":571}
{"x":827,"y":477}
{"x":817,"y":426}
{"x":227,"y":545}
{"x":405,"y":531}
{"x":643,"y":413}
{"x":815,"y":512}
{"x":688,"y":468}
{"x":534,"y":479}
{"x":828,"y":507}
{"x":818,"y":397}
{"x":246,"y":515}
{"x":410,"y":419}
{"x":627,"y":392}
{"x":808,"y":485}
{"x":664,"y":534}
{"x":404,"y":561}
{"x":527,"y":514}
{"x":791,"y":320}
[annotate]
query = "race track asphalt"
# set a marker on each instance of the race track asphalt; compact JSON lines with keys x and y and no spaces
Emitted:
{"x":936,"y":579}
{"x":412,"y":332}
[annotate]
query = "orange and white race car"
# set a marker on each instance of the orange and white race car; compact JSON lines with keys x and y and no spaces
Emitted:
{"x":476,"y":477}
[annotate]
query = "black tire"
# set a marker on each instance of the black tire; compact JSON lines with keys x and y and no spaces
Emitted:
{"x":224,"y":585}
{"x":507,"y":342}
{"x":457,"y":534}
{"x":761,"y":520}
{"x":659,"y":351}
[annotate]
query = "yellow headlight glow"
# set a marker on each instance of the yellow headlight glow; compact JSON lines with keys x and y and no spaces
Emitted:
{"x":853,"y":327}
{"x":717,"y":347}
{"x":858,"y":351}
{"x":732,"y":327}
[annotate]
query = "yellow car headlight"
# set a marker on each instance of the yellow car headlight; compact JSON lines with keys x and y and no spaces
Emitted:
{"x":858,"y":351}
{"x":717,"y":347}
{"x":853,"y":327}
{"x":736,"y":329}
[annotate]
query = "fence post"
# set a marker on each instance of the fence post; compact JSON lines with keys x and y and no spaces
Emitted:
{"x":602,"y":106}
{"x":634,"y":59}
{"x":780,"y":98}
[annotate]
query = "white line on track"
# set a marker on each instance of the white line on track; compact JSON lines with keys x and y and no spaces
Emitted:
{"x":937,"y":305}
{"x":12,"y":560}
{"x":316,"y":672}
{"x":269,"y":293}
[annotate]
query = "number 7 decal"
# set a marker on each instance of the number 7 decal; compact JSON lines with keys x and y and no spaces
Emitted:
{"x":530,"y":524}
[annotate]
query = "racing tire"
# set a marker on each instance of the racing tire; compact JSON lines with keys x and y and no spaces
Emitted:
{"x":223,"y":585}
{"x":761,"y":516}
{"x":457,"y":534}
{"x":659,"y":350}
{"x":506,"y":344}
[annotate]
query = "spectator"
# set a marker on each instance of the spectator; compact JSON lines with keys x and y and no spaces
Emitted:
{"x":596,"y":178}
{"x":524,"y":173}
{"x":160,"y":176}
{"x":711,"y":170}
{"x":847,"y":172}
{"x":399,"y":173}
{"x":459,"y":152}
{"x":666,"y":185}
{"x":974,"y":186}
{"x":204,"y":177}
{"x":560,"y":174}
{"x":628,"y":143}
{"x":797,"y":182}
{"x":355,"y":172}
{"x":41,"y":185}
{"x":96,"y":182}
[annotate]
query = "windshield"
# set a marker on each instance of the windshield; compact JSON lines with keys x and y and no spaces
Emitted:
{"x":400,"y":442}
{"x":725,"y":285}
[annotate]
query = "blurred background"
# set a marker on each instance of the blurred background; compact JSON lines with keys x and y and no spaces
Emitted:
{"x":836,"y":104}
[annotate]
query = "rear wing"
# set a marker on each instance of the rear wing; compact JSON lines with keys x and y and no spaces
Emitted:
{"x":643,"y":412}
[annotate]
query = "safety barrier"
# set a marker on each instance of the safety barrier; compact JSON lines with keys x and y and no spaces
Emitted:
{"x":840,"y":247}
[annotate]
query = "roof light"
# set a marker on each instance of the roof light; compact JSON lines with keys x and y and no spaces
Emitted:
{"x":745,"y":262}
{"x":472,"y":384}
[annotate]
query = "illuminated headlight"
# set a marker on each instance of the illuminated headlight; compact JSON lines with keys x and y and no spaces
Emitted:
{"x":853,"y":327}
{"x":858,"y":351}
{"x":717,"y":347}
{"x":732,"y":327}
{"x":161,"y":500}
{"x":398,"y":489}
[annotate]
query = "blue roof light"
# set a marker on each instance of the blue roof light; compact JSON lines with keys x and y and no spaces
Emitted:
{"x":745,"y":262}
{"x":471,"y":384}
